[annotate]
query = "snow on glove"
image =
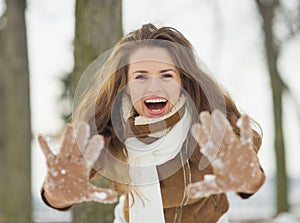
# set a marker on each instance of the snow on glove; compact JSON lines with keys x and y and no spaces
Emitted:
{"x":68,"y":173}
{"x":233,"y":159}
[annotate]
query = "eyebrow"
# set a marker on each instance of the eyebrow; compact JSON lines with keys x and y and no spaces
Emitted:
{"x":161,"y":71}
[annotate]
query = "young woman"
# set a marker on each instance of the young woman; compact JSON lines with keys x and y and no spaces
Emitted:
{"x":139,"y":126}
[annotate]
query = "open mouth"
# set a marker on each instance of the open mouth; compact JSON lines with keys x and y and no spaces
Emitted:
{"x":156,"y":106}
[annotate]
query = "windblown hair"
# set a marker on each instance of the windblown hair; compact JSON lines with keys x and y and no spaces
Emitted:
{"x":202,"y":89}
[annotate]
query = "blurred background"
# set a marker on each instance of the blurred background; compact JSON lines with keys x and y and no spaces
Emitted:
{"x":252,"y":48}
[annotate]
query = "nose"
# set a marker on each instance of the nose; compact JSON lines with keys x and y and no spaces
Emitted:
{"x":154,"y":85}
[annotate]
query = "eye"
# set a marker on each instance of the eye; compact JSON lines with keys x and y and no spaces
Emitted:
{"x":140,"y":77}
{"x":167,"y":76}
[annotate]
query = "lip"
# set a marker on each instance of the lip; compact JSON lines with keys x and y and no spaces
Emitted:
{"x":156,"y":112}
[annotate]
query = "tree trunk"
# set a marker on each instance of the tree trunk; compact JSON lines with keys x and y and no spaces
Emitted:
{"x":98,"y":28}
{"x":266,"y":9}
{"x":15,"y":128}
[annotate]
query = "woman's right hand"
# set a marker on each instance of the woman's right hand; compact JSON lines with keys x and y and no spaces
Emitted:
{"x":68,"y":174}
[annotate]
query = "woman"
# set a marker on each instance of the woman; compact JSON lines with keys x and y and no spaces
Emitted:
{"x":138,"y":126}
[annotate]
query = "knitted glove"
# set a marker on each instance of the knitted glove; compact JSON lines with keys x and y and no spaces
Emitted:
{"x":68,"y":174}
{"x":233,"y":159}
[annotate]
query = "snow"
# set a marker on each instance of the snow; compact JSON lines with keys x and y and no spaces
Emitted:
{"x":281,"y":218}
{"x":53,"y":172}
{"x":286,"y":218}
{"x":100,"y":195}
{"x":218,"y":163}
{"x":209,"y":177}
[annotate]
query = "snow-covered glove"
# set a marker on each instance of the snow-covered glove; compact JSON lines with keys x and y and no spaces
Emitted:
{"x":68,"y":173}
{"x":233,"y":159}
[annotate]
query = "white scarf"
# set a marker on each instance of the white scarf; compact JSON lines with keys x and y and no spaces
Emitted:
{"x":143,"y":159}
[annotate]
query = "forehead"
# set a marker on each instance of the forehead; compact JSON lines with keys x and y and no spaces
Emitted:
{"x":157,"y":54}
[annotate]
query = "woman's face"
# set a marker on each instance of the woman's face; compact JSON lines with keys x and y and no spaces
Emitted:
{"x":154,"y":82}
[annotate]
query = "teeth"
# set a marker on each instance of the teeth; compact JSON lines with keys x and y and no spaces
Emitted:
{"x":155,"y":100}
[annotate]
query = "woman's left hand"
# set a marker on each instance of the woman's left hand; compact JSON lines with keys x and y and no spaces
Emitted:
{"x":234,"y":161}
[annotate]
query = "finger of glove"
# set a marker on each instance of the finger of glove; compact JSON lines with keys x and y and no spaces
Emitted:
{"x":205,"y":120}
{"x":199,"y":134}
{"x":202,"y":139}
{"x":225,"y":133}
{"x":93,"y":149}
{"x":101,"y":195}
{"x":68,"y":142}
{"x":213,"y":128}
{"x":219,"y":126}
{"x":205,"y":133}
{"x":82,"y":135}
{"x":246,"y":131}
{"x":213,"y":125}
{"x":202,"y":189}
{"x":49,"y":155}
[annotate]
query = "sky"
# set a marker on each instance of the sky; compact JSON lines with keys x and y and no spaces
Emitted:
{"x":226,"y":36}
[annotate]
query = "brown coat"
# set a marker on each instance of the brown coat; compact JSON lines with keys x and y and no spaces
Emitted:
{"x":204,"y":210}
{"x":187,"y":165}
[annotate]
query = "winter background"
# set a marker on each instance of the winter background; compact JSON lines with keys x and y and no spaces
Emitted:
{"x":227,"y":37}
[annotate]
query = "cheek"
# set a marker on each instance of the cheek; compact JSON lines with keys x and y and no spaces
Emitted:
{"x":136,"y":92}
{"x":173,"y":91}
{"x":137,"y":104}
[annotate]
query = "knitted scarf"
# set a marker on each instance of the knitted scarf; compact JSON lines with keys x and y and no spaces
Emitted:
{"x":151,"y":142}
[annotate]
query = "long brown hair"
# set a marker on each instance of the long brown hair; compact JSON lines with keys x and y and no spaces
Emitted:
{"x":202,"y":89}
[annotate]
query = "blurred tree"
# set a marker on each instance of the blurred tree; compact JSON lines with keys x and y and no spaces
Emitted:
{"x":15,"y":129}
{"x":98,"y":27}
{"x":274,"y":12}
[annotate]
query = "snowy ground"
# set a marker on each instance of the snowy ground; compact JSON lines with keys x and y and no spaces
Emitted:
{"x":282,"y":218}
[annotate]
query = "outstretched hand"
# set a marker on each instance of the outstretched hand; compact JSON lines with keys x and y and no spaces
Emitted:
{"x":68,"y":174}
{"x":234,"y":161}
